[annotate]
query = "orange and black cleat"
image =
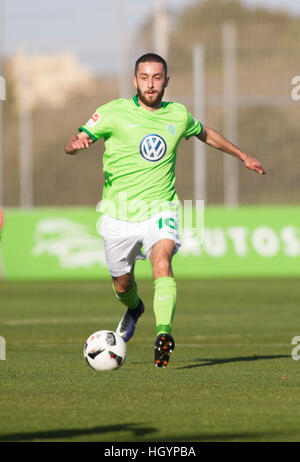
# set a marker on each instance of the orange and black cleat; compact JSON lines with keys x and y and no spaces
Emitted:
{"x":164,"y":346}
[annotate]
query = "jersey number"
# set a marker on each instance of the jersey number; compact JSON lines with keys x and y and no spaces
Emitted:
{"x":169,"y":222}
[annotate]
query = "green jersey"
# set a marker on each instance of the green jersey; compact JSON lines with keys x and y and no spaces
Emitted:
{"x":140,"y":155}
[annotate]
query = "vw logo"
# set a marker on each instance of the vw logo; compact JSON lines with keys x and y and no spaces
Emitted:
{"x":153,"y":147}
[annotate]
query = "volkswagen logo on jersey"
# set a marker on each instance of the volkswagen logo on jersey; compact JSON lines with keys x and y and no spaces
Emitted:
{"x":153,"y":147}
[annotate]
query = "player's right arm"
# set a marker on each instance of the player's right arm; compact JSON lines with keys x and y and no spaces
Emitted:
{"x":78,"y":142}
{"x":98,"y":126}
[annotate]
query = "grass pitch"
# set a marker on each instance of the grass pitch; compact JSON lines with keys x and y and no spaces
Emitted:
{"x":231,"y":376}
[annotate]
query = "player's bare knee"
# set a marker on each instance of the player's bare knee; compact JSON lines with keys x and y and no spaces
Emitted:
{"x":161,"y":267}
{"x":123,"y":283}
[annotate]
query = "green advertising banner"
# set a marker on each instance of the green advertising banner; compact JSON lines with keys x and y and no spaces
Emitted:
{"x":63,"y":243}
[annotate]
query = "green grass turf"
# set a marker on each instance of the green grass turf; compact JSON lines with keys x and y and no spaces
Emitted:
{"x":230,"y":378}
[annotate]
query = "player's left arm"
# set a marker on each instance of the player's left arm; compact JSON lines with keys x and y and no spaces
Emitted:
{"x":218,"y":141}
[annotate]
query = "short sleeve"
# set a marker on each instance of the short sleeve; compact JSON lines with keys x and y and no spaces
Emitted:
{"x":98,"y":125}
{"x":193,"y":127}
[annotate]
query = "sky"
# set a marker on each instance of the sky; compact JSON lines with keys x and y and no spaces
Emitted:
{"x":88,"y":29}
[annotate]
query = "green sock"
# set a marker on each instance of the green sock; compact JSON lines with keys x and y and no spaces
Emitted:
{"x":165,"y":296}
{"x":130,"y":298}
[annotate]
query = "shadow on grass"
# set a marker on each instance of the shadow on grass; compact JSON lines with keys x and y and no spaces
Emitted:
{"x":135,"y":431}
{"x":139,"y":436}
{"x":213,"y":361}
{"x":229,"y":437}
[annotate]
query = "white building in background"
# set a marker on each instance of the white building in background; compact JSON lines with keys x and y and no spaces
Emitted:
{"x":49,"y":79}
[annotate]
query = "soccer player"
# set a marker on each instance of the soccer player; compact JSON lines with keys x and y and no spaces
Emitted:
{"x":139,"y":201}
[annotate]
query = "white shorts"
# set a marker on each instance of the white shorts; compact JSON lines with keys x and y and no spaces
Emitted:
{"x":124,"y":241}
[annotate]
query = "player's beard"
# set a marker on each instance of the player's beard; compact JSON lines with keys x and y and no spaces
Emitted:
{"x":155,"y":100}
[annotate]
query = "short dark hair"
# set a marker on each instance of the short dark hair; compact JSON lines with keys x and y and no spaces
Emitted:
{"x":151,"y":58}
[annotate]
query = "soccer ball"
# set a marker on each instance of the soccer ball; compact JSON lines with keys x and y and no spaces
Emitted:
{"x":105,"y":350}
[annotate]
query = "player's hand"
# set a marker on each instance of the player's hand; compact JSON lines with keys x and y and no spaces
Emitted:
{"x":81,"y":143}
{"x":254,"y":164}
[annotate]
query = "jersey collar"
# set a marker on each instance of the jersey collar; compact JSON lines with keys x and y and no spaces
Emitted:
{"x":135,"y":99}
